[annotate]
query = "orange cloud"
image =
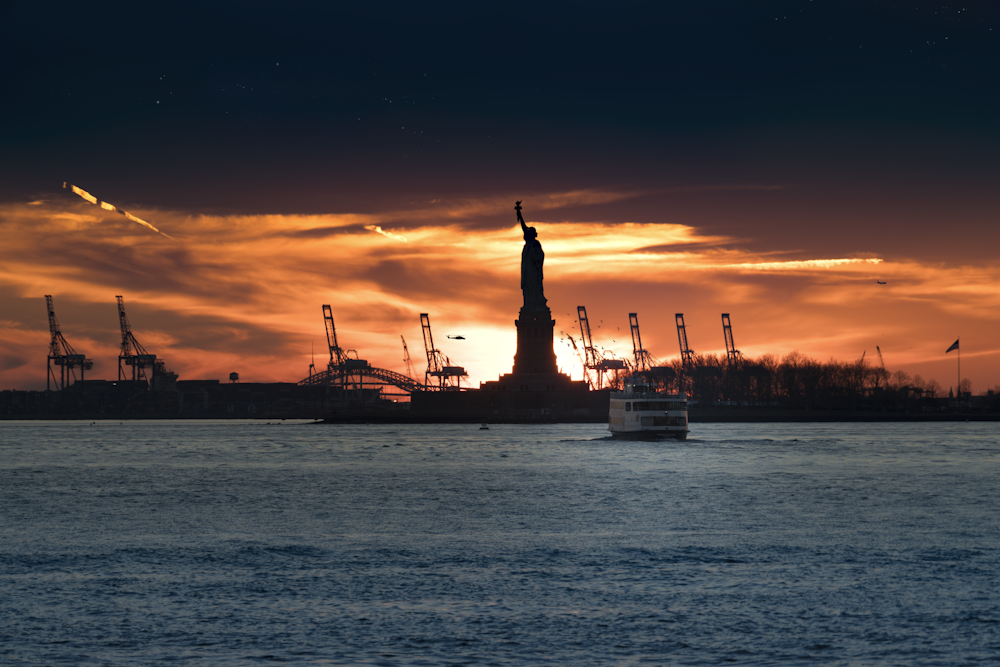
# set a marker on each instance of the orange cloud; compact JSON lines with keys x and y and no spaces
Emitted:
{"x":243,"y":293}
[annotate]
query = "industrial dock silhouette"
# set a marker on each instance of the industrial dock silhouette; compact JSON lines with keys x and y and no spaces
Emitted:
{"x":350,"y":389}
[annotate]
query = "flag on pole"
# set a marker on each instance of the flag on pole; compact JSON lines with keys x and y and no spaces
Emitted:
{"x":954,"y":346}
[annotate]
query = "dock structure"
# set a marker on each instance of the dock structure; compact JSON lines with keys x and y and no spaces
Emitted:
{"x":352,"y":383}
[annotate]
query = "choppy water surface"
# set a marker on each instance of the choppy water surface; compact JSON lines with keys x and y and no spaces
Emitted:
{"x":244,"y":543}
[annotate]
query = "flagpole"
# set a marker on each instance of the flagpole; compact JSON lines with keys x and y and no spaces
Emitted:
{"x":956,"y":346}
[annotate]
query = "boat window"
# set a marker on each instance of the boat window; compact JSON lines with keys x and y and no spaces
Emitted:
{"x":660,"y":405}
{"x":628,"y":406}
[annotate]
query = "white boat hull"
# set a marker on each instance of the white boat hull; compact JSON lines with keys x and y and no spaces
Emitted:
{"x":649,"y":435}
{"x":636,"y":413}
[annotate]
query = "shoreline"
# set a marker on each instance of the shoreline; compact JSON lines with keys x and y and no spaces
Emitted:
{"x":703,"y":416}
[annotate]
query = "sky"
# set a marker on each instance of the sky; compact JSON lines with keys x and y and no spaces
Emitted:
{"x":768,"y":160}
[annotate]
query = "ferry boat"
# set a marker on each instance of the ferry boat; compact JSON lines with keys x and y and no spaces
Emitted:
{"x":640,"y":412}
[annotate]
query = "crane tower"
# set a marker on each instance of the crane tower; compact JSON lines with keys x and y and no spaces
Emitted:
{"x":354,"y":383}
{"x":595,"y":360}
{"x":682,"y":339}
{"x":637,"y":351}
{"x":337,"y":354}
{"x":727,"y":330}
{"x":588,"y":344}
{"x":439,"y":365}
{"x":406,"y":358}
{"x":62,"y":354}
{"x":132,"y":353}
{"x":644,"y":361}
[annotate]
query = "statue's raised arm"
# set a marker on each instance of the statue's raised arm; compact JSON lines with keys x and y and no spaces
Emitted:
{"x":524,"y":227}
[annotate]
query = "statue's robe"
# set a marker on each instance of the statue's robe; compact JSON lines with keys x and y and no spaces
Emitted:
{"x":532,"y":259}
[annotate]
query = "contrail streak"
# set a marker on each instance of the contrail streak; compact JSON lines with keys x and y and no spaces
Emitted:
{"x":801,"y":264}
{"x":110,"y":207}
{"x":379,"y":230}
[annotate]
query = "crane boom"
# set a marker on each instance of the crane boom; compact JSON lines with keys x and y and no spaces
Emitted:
{"x":879,"y":377}
{"x":588,"y":342}
{"x":439,"y":365}
{"x":406,"y":357}
{"x":432,"y":361}
{"x":132,"y":353}
{"x":53,"y":327}
{"x":581,"y":355}
{"x":125,"y":327}
{"x":682,"y":339}
{"x":337,"y":355}
{"x":732,"y":354}
{"x":637,"y":351}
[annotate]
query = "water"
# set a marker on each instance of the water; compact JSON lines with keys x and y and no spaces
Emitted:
{"x":247,"y":543}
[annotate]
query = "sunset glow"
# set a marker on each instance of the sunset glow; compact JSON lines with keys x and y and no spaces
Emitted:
{"x":243,"y":293}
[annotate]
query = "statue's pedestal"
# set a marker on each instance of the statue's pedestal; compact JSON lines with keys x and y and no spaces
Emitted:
{"x":533,"y":392}
{"x":535,"y":368}
{"x":535,"y":354}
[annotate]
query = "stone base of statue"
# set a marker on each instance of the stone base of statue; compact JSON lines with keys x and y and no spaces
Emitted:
{"x":535,"y":353}
{"x":536,"y":373}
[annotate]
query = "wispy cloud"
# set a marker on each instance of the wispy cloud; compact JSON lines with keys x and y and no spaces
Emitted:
{"x":798,"y":265}
{"x":244,"y":293}
{"x":379,"y":230}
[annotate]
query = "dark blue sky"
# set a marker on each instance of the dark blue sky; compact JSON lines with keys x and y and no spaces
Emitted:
{"x":298,"y":108}
{"x":777,"y":131}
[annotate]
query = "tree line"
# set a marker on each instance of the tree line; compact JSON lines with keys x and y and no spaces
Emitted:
{"x":797,"y":382}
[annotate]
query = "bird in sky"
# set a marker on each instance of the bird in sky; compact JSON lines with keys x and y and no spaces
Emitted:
{"x":880,"y":282}
{"x":457,"y":337}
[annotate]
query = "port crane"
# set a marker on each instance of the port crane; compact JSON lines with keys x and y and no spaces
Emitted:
{"x":132,"y":353}
{"x":357,"y":381}
{"x":338,"y":357}
{"x":732,"y":354}
{"x":687,"y":353}
{"x":62,"y":354}
{"x":449,"y":377}
{"x":590,"y":354}
{"x":406,"y":358}
{"x":579,"y":355}
{"x":344,"y":365}
{"x":595,"y":361}
{"x":644,"y":361}
{"x":884,"y":375}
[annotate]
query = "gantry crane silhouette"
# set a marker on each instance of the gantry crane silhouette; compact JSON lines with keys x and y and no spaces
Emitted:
{"x":732,"y":354}
{"x":687,"y":354}
{"x":595,"y":361}
{"x":132,"y":353}
{"x":62,"y":355}
{"x":449,"y":376}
